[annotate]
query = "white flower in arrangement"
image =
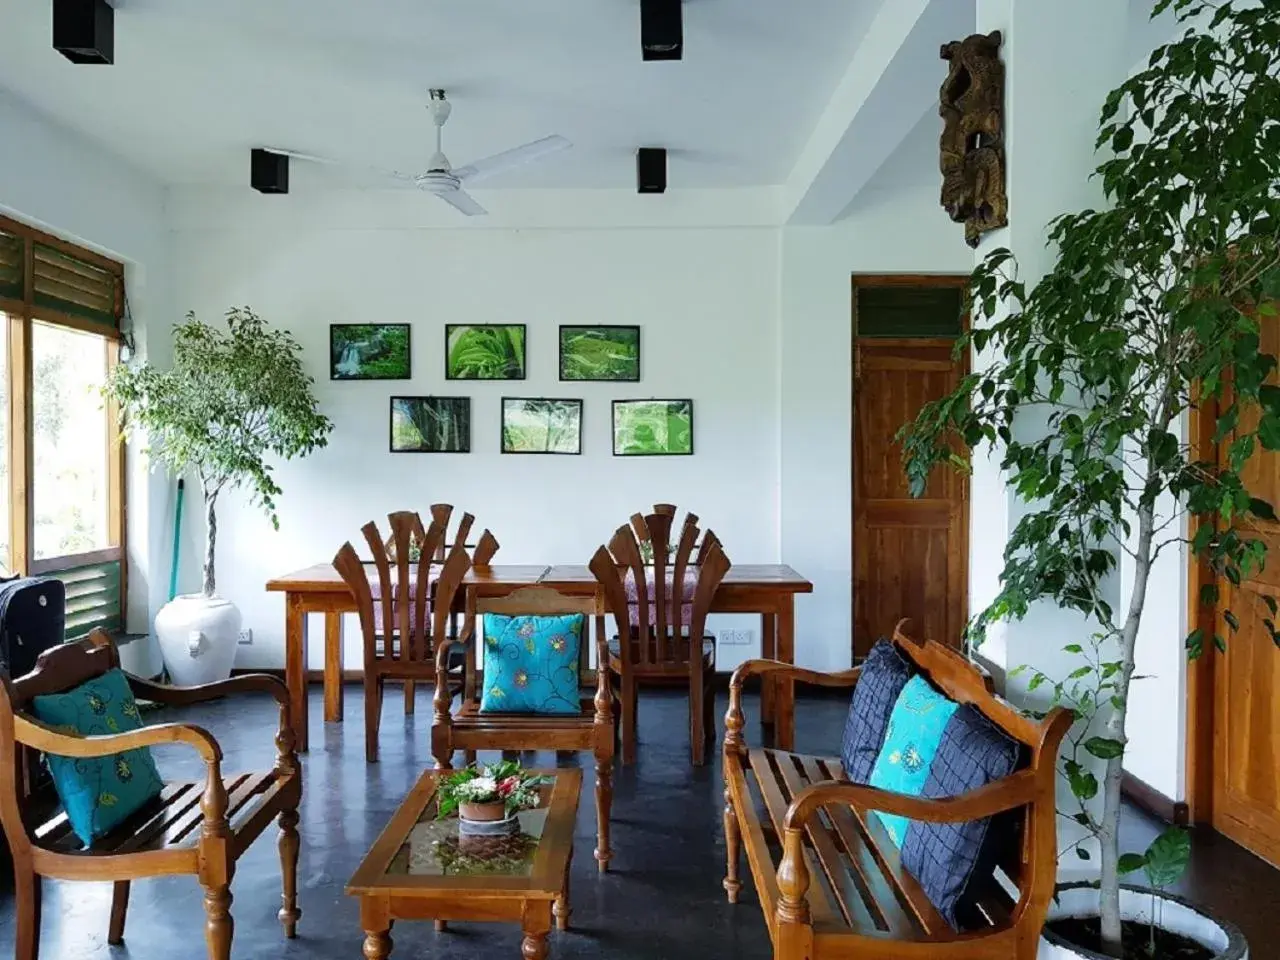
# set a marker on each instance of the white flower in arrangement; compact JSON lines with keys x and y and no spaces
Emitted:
{"x":479,"y":788}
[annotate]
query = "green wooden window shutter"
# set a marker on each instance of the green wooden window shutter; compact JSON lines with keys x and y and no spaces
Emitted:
{"x":10,"y":266}
{"x":909,"y":311}
{"x":73,"y":286}
{"x":93,"y":598}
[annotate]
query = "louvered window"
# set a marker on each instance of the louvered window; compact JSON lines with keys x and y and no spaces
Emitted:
{"x":93,"y":598}
{"x":61,"y":458}
{"x":906,"y":311}
{"x":11,"y":248}
{"x":75,"y":286}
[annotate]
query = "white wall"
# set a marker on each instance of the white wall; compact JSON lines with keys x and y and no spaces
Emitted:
{"x":706,"y":300}
{"x":71,"y":187}
{"x":895,"y":226}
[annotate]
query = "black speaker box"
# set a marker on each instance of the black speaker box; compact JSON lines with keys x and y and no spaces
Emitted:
{"x":84,"y":30}
{"x":268,"y":172}
{"x":651,"y":170}
{"x":661,"y":30}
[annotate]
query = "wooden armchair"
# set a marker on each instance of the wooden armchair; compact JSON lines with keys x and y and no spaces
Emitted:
{"x":200,"y":828}
{"x":399,"y":628}
{"x":591,"y":729}
{"x":661,"y":621}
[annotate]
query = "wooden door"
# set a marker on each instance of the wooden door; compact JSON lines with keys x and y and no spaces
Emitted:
{"x":910,"y":556}
{"x":1246,"y":755}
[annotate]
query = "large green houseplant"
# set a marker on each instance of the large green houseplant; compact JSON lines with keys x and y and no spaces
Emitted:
{"x":1154,"y":304}
{"x":234,"y":399}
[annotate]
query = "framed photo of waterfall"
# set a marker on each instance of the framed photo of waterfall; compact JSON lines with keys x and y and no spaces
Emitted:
{"x":369,"y":351}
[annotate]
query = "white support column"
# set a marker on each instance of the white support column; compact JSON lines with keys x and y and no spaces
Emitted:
{"x":1061,"y":60}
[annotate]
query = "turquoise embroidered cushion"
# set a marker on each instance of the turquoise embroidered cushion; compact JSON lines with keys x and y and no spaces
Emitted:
{"x":915,"y":730}
{"x":531,"y":664}
{"x":99,"y":793}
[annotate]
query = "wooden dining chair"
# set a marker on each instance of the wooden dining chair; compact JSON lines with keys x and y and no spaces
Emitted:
{"x":399,"y":628}
{"x":591,"y":729}
{"x":199,"y":828}
{"x":481,"y":556}
{"x":660,"y":612}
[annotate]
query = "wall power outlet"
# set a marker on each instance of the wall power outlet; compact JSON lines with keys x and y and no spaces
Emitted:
{"x":736,"y":638}
{"x":246,"y":637}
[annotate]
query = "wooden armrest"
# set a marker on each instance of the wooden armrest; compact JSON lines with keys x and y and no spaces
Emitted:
{"x":843,"y":678}
{"x":182,"y":696}
{"x":443,"y":698}
{"x":42,"y":737}
{"x":1008,"y":793}
{"x":733,"y":718}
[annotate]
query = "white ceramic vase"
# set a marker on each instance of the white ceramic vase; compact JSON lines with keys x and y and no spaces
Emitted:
{"x":198,"y":637}
{"x":1173,"y":913}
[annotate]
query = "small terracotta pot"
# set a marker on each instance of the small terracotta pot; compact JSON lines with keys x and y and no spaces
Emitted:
{"x":482,"y":812}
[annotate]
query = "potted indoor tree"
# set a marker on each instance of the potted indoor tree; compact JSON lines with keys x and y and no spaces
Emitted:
{"x":1152,"y":310}
{"x":233,"y":399}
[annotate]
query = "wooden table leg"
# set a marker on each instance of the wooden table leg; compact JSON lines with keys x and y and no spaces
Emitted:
{"x":561,"y":908}
{"x":768,"y":651}
{"x":784,"y":708}
{"x":376,"y":920}
{"x":295,"y":668}
{"x":333,"y":698}
{"x":536,"y":925}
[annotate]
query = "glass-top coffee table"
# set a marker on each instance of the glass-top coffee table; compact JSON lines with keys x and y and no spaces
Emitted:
{"x":421,"y":869}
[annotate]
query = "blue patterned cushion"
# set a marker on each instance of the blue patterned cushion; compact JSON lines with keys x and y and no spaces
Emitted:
{"x":947,"y":857}
{"x":531,"y":664}
{"x":884,"y":673}
{"x":915,"y":730}
{"x":99,"y":793}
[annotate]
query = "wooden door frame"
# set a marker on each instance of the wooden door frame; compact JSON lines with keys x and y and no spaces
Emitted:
{"x":857,"y":281}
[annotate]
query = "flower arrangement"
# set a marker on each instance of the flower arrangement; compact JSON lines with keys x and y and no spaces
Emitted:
{"x":504,"y":784}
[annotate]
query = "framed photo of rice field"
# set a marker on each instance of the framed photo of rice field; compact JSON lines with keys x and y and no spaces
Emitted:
{"x":369,"y":351}
{"x":493,"y":351}
{"x":541,"y":425}
{"x":652,"y":428}
{"x":609,"y":353}
{"x":430,"y":424}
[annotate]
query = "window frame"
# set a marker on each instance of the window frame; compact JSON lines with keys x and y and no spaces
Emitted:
{"x":21,"y":313}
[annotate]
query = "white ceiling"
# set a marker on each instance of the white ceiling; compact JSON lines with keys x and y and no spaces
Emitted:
{"x":196,"y":83}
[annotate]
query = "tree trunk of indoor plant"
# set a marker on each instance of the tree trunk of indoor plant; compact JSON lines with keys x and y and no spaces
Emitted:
{"x":210,"y":540}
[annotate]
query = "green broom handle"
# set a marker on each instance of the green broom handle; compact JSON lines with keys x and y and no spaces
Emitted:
{"x":177,"y":530}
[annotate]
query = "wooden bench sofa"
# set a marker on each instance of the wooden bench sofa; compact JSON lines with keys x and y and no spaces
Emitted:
{"x":828,"y":877}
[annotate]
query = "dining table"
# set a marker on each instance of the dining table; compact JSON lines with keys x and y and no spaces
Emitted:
{"x":767,"y":590}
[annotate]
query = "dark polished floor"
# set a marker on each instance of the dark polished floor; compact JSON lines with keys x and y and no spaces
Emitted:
{"x":662,"y":899}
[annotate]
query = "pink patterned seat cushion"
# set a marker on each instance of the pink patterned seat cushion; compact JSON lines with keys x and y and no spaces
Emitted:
{"x":686,"y":608}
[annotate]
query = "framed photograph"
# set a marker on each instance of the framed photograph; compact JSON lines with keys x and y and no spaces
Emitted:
{"x":369,"y":351}
{"x":541,"y":425}
{"x":493,"y":351}
{"x":652,"y":428}
{"x":600,"y":353}
{"x":430,"y":424}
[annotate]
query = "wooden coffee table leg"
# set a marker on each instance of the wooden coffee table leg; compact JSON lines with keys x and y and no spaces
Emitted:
{"x":561,"y":909}
{"x":536,"y":925}
{"x":375,"y":918}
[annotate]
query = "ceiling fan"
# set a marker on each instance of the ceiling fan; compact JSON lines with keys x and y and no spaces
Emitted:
{"x":446,"y":181}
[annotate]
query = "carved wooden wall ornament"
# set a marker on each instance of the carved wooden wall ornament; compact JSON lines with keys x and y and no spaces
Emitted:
{"x":972,"y":109}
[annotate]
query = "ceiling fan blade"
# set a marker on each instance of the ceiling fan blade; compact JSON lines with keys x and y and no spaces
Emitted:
{"x":463,"y":201}
{"x":309,"y":157}
{"x":508,"y":159}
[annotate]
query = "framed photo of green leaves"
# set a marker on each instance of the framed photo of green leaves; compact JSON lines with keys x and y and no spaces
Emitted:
{"x":652,"y":428}
{"x":541,"y":425}
{"x":609,"y":353}
{"x":492,"y":351}
{"x":369,"y":351}
{"x":430,"y":424}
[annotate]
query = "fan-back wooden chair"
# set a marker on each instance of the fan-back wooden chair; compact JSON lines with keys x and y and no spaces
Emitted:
{"x":590,"y":730}
{"x":482,"y":556}
{"x":661,"y":624}
{"x":399,"y":629}
{"x":197,"y":828}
